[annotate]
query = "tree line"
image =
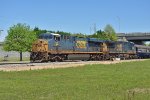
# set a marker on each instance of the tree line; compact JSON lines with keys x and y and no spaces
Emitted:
{"x":21,"y":36}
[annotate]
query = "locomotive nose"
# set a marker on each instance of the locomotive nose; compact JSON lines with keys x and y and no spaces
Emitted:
{"x":40,"y":46}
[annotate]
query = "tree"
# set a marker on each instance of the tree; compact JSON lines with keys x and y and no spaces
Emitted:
{"x":62,"y":33}
{"x":102,"y":35}
{"x":110,"y":32}
{"x":80,"y":35}
{"x":20,"y":38}
{"x":39,"y":31}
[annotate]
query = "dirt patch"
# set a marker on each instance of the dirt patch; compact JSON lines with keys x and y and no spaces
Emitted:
{"x":132,"y":93}
{"x":139,"y":90}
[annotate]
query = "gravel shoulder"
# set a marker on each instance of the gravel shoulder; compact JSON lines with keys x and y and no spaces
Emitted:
{"x":35,"y":66}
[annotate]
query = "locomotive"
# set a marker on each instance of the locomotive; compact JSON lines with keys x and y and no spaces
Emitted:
{"x":55,"y":47}
{"x":142,"y":51}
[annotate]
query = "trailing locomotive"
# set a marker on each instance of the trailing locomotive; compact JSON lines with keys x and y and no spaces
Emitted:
{"x":142,"y":51}
{"x":55,"y":47}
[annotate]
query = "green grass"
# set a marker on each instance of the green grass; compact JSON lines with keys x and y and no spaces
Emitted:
{"x":91,"y":82}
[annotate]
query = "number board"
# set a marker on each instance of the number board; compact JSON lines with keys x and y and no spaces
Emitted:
{"x":81,"y":44}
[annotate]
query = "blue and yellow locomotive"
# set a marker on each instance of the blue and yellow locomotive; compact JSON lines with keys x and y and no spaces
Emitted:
{"x":56,"y":47}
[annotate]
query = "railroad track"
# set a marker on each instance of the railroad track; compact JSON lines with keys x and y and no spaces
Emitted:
{"x":33,"y":64}
{"x":20,"y":66}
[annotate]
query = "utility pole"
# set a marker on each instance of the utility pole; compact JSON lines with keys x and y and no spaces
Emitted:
{"x":95,"y":28}
{"x":90,"y":30}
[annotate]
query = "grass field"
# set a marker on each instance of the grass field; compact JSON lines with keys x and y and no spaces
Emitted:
{"x":123,"y":81}
{"x":14,"y":59}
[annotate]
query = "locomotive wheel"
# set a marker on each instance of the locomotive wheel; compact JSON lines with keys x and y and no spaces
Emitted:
{"x":56,"y":59}
{"x":52,"y":60}
{"x":111,"y":58}
{"x":59,"y":59}
{"x":42,"y":60}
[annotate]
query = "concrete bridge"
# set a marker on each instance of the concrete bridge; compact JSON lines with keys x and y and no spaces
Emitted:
{"x":138,"y":38}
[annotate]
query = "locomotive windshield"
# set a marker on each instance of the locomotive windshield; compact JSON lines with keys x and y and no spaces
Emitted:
{"x":46,"y":36}
{"x":57,"y":38}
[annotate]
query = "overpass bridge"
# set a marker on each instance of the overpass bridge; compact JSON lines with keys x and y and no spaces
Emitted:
{"x":137,"y":38}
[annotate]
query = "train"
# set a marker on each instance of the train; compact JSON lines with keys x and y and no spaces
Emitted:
{"x":55,"y":47}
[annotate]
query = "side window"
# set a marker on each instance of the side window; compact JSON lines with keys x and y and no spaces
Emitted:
{"x":62,"y":36}
{"x":66,"y":37}
{"x":56,"y":38}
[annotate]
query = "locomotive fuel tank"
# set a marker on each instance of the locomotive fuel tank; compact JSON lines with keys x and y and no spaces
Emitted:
{"x":78,"y":57}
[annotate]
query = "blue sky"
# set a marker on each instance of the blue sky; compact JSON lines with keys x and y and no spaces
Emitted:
{"x":76,"y":15}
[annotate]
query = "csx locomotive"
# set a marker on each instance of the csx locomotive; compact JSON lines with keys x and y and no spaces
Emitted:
{"x":55,"y":47}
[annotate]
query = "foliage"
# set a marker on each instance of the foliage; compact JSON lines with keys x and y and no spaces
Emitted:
{"x":71,"y":34}
{"x":110,"y":32}
{"x":62,"y":33}
{"x":39,"y":31}
{"x":100,"y":35}
{"x":107,"y":34}
{"x":20,"y":38}
{"x":91,"y":82}
{"x":79,"y":35}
